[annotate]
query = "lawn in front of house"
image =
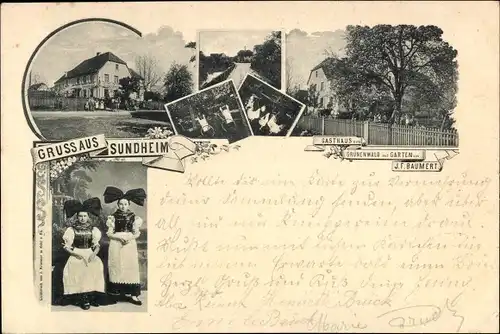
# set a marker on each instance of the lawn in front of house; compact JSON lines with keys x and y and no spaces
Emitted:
{"x":63,"y":126}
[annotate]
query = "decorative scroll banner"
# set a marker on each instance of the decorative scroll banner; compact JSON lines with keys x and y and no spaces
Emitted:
{"x":125,"y":148}
{"x":320,"y":142}
{"x":403,"y":160}
{"x":179,"y":148}
{"x":55,"y":151}
{"x":425,"y":166}
{"x":167,"y":153}
{"x":383,"y":154}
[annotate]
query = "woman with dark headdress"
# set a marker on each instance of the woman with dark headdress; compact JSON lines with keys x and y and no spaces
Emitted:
{"x":83,"y":274}
{"x":123,"y":230}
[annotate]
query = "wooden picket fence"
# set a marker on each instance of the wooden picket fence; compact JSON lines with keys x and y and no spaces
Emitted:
{"x":39,"y":102}
{"x":380,"y":133}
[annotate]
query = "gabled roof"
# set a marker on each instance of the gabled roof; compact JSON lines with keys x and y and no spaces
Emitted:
{"x":327,"y":66}
{"x":91,"y":65}
{"x":134,"y":74}
{"x":37,"y":86}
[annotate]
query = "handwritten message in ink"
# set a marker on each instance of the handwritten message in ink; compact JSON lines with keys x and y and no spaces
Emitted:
{"x":318,"y":250}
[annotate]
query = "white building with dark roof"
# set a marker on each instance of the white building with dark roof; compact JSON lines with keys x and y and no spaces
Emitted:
{"x":97,"y":77}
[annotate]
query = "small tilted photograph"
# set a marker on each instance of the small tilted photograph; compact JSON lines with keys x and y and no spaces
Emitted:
{"x":232,"y":54}
{"x":99,"y":236}
{"x":213,"y":113}
{"x":98,"y":77}
{"x":269,"y":111}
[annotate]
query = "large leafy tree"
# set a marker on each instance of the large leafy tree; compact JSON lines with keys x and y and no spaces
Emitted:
{"x":129,"y":85}
{"x":178,"y":82}
{"x":399,"y":59}
{"x":267,"y":59}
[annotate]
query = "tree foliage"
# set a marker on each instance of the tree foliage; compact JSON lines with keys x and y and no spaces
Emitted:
{"x":408,"y":64}
{"x":129,"y":85}
{"x":75,"y":180}
{"x":243,"y":56}
{"x":267,"y":59}
{"x":178,"y":82}
{"x":215,"y":62}
{"x":190,"y":45}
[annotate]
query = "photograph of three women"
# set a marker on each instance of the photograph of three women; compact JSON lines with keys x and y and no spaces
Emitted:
{"x":99,"y":236}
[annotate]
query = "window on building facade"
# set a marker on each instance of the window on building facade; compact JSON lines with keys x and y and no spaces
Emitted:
{"x":116,"y":79}
{"x":322,"y":85}
{"x":116,"y":67}
{"x":321,"y":101}
{"x":106,"y":77}
{"x":317,"y":74}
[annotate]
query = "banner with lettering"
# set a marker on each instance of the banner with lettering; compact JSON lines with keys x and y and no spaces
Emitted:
{"x":167,"y":153}
{"x":403,"y":159}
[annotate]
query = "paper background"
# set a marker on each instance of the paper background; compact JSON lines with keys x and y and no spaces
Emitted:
{"x":471,"y":28}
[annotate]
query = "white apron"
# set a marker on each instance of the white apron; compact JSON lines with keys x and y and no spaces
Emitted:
{"x":78,"y":277}
{"x":226,"y":113}
{"x":263,"y":121}
{"x":205,"y":127}
{"x":123,"y":259}
{"x":273,"y":126}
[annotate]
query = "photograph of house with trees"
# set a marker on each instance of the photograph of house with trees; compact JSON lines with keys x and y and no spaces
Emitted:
{"x":392,"y":85}
{"x":231,"y":55}
{"x":98,"y":77}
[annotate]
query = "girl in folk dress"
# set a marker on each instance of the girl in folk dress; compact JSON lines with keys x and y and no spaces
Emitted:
{"x":206,"y":129}
{"x":252,"y":112}
{"x":264,"y":120}
{"x":83,"y":274}
{"x":227,"y":118}
{"x":274,"y":127}
{"x":123,"y":230}
{"x":226,"y":114}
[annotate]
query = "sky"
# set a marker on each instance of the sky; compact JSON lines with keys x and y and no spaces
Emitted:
{"x":69,"y":47}
{"x":305,"y":50}
{"x":123,"y":175}
{"x":230,"y":42}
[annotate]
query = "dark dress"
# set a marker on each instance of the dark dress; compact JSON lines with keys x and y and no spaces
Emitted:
{"x":123,"y":259}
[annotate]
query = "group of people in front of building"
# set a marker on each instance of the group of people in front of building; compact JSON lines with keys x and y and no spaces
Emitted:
{"x":93,"y":104}
{"x":83,"y":274}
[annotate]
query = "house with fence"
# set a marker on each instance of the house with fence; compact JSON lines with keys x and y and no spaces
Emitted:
{"x":420,"y":130}
{"x":97,"y":77}
{"x":319,"y":81}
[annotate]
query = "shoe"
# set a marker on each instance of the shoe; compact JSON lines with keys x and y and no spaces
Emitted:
{"x":94,"y":303}
{"x":85,"y":306}
{"x":134,"y":300}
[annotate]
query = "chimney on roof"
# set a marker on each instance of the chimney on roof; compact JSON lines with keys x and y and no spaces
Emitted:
{"x":97,"y":54}
{"x":65,"y":74}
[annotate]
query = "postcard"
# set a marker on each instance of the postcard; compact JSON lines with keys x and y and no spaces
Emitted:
{"x":250,"y":167}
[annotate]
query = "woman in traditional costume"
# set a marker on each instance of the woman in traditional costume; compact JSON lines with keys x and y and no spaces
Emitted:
{"x":206,"y":129}
{"x":83,"y":275}
{"x":123,"y":230}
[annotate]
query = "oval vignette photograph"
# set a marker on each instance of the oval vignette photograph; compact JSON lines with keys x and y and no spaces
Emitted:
{"x":99,"y":77}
